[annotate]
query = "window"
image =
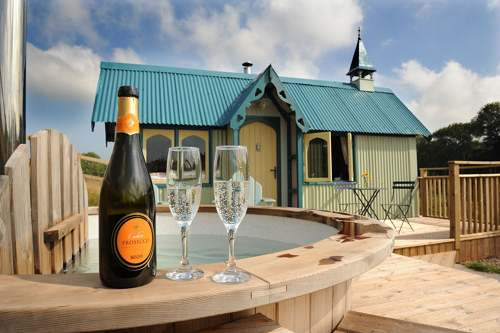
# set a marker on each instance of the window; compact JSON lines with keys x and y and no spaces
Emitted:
{"x":342,"y":157}
{"x":198,"y":139}
{"x":318,"y":157}
{"x":328,"y":156}
{"x":155,"y":149}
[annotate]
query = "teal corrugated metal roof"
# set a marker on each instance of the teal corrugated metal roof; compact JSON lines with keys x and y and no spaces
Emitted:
{"x":177,"y":96}
{"x":172,"y":96}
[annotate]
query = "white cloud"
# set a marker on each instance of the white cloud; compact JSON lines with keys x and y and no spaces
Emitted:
{"x":67,"y":21}
{"x":387,"y":42}
{"x":63,"y":72}
{"x":69,"y":72}
{"x":454,"y":94}
{"x":293,"y":35}
{"x":266,"y":31}
{"x":492,"y":4}
{"x":127,"y":55}
{"x":423,"y":12}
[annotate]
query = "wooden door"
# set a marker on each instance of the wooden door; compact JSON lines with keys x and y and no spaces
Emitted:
{"x":260,"y":139}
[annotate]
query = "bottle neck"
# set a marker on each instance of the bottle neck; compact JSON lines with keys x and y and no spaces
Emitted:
{"x":127,"y":121}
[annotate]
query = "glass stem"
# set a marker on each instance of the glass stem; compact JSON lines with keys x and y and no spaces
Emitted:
{"x":184,"y":239}
{"x":231,"y":265}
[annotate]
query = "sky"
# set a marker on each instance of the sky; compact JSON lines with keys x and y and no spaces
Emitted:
{"x":440,"y":57}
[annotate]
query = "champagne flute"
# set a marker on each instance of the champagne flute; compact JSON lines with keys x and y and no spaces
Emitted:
{"x":184,"y":194}
{"x":231,"y":189}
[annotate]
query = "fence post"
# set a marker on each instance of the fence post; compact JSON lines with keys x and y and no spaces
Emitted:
{"x":454,"y":181}
{"x":423,"y":192}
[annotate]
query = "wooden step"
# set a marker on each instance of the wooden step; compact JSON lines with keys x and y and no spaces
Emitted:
{"x":258,"y":323}
{"x":446,"y":259}
{"x":358,"y":322}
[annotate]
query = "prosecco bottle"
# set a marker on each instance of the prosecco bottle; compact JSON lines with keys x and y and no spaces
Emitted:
{"x":127,"y":248}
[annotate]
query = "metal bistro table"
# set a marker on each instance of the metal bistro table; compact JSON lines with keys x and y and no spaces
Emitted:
{"x":367,"y":200}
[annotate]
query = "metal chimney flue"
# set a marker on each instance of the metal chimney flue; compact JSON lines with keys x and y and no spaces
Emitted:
{"x":12,"y":77}
{"x":247,"y":67}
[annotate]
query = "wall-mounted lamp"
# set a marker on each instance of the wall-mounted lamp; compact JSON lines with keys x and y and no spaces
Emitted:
{"x":258,"y":147}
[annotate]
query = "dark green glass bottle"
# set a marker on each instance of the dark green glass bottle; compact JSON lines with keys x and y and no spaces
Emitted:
{"x":127,"y":242}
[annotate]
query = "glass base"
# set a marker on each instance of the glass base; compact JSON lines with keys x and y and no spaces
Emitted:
{"x":231,"y":278}
{"x":184,"y":275}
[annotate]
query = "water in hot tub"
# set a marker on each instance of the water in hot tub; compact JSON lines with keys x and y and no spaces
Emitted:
{"x":203,"y":249}
{"x":208,"y":243}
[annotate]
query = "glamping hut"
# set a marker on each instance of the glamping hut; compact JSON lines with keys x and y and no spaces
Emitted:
{"x":304,"y":137}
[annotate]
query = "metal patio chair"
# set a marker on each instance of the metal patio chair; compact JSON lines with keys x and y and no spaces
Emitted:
{"x":343,"y":206}
{"x":394,"y":210}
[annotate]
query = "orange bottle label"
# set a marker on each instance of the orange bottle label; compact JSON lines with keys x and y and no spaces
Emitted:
{"x":127,"y":124}
{"x":134,"y":241}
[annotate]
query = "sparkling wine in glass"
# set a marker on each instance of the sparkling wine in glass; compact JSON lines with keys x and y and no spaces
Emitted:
{"x":231,"y":189}
{"x":184,"y":195}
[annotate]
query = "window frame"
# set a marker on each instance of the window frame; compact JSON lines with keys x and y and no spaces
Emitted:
{"x":328,"y":137}
{"x":308,"y":137}
{"x":148,"y":133}
{"x":204,"y":135}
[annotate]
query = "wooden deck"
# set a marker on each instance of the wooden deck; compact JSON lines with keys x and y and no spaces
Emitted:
{"x":432,"y":236}
{"x":425,"y":229}
{"x":414,"y":290}
{"x":446,"y":259}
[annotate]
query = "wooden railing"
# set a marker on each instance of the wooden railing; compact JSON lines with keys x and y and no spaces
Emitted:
{"x":470,"y":201}
{"x":43,"y":206}
{"x":433,"y":191}
{"x":478,"y":195}
{"x":479,"y":203}
{"x":91,"y":159}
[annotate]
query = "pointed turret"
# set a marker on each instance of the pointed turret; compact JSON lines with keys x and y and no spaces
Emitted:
{"x":361,"y":66}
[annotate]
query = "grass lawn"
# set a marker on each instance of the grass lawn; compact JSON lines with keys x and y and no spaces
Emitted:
{"x":94,"y":189}
{"x":482,"y":267}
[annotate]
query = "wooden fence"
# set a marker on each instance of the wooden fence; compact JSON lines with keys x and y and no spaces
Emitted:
{"x":94,"y":160}
{"x":470,"y":201}
{"x":43,"y":206}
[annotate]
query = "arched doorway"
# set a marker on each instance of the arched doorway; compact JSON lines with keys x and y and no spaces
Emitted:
{"x":261,"y":140}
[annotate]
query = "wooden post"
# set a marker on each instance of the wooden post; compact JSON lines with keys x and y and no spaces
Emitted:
{"x":423,"y":192}
{"x":454,"y":180}
{"x":6,"y":259}
{"x":40,"y":200}
{"x":17,"y":169}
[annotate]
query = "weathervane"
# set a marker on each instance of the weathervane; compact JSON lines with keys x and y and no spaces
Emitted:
{"x":359,"y":32}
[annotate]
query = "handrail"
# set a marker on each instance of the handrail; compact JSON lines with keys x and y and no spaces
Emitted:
{"x":92,"y":159}
{"x":483,"y":175}
{"x":462,"y":167}
{"x":470,"y":201}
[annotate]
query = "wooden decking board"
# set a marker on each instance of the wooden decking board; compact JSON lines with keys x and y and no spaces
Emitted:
{"x":436,"y":295}
{"x":487,"y":326}
{"x":437,"y":258}
{"x":449,"y":259}
{"x":426,"y":257}
{"x":357,"y":322}
{"x":424,"y":302}
{"x":471,"y":319}
{"x":458,"y":310}
{"x":419,"y":278}
{"x":394,"y":269}
{"x":445,"y":299}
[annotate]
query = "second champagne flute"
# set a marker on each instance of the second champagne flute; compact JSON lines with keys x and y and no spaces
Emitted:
{"x":184,"y":194}
{"x":231,"y":190}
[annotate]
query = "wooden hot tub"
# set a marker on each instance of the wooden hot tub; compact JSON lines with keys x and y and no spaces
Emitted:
{"x":308,"y":287}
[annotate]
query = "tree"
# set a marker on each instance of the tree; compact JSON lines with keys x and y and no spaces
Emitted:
{"x":487,"y":126}
{"x":93,"y":168}
{"x":455,"y":142}
{"x":478,"y":140}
